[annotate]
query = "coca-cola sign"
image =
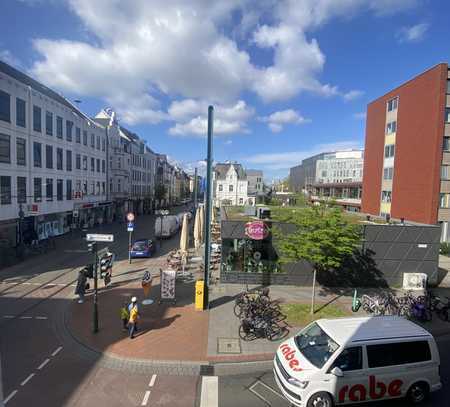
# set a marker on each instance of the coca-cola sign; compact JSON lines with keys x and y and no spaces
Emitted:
{"x":256,"y":230}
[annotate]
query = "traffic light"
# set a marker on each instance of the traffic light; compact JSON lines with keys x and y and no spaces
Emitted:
{"x":92,"y":247}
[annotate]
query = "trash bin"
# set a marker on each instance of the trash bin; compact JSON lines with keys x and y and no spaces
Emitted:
{"x":199,"y":289}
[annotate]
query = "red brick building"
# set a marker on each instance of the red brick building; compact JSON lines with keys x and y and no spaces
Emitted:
{"x":407,"y":151}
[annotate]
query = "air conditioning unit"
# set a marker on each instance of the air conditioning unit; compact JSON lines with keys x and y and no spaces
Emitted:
{"x":414,"y":281}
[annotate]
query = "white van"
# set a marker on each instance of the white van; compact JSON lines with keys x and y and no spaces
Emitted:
{"x":352,"y":360}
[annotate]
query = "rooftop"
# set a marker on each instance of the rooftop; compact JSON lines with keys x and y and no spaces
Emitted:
{"x":347,"y":330}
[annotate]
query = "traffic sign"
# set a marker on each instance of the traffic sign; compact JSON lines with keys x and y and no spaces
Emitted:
{"x":130,"y":227}
{"x":99,"y":238}
{"x":130,"y":216}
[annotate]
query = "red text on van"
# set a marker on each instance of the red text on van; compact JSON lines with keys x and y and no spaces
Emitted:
{"x":289,"y":355}
{"x":377,"y":390}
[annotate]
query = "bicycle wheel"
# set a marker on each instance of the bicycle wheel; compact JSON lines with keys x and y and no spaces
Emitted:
{"x":237,"y":310}
{"x":245,"y":334}
{"x":273,"y":332}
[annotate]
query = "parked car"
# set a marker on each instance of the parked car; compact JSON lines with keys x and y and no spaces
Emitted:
{"x":346,"y":360}
{"x":142,"y":248}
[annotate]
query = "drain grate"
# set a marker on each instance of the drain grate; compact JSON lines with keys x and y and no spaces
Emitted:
{"x":228,"y":345}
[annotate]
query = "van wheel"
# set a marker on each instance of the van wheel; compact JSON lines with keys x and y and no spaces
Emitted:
{"x":320,"y":400}
{"x":418,"y":392}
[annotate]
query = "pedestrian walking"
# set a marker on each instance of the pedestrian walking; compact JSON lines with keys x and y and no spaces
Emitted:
{"x":80,"y":289}
{"x":133,"y":304}
{"x":132,"y":322}
{"x":124,"y":316}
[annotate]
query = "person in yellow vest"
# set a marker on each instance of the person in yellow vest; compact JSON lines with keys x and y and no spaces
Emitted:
{"x":124,"y":316}
{"x":134,"y":315}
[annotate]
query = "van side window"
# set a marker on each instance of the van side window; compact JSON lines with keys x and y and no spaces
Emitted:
{"x":400,"y":353}
{"x":349,"y":359}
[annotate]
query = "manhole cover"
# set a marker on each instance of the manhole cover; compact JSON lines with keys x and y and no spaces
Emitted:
{"x":228,"y":345}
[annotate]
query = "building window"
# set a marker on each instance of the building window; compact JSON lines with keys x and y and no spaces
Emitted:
{"x":92,"y":188}
{"x":37,"y":119}
{"x":388,"y":173}
{"x":21,"y":190}
{"x":68,"y":189}
{"x":98,"y":142}
{"x":49,"y":123}
{"x":391,"y":127}
{"x":85,"y":185}
{"x":37,"y":154}
{"x":118,"y":186}
{"x":59,"y":158}
{"x":84,"y":163}
{"x":59,"y":189}
{"x":5,"y":107}
{"x":98,"y":164}
{"x":92,"y":164}
{"x":69,"y":127}
{"x":5,"y":149}
{"x":230,"y":188}
{"x":392,"y":105}
{"x":5,"y":190}
{"x":103,"y":188}
{"x":446,"y":144}
{"x":20,"y":112}
{"x":59,"y":127}
{"x":49,"y":189}
{"x":241,"y":201}
{"x":386,"y":196}
{"x":49,"y":157}
{"x":68,"y":160}
{"x":92,"y":140}
{"x":78,"y":162}
{"x":389,"y":150}
{"x":21,"y":151}
{"x":84,"y":137}
{"x":103,"y":144}
{"x":445,"y":172}
{"x":444,"y":201}
{"x":103,"y":166}
{"x":37,"y":189}
{"x":448,"y":86}
{"x":78,"y":135}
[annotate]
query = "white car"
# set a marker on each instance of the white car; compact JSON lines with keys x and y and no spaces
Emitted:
{"x":353,"y":360}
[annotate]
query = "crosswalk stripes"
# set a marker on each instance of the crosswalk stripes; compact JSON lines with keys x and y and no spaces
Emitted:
{"x":209,"y":392}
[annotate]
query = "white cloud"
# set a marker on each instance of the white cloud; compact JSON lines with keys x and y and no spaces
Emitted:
{"x":228,"y":142}
{"x":414,"y":33}
{"x":191,"y":118}
{"x":9,"y":58}
{"x":277,"y":119}
{"x":185,"y":50}
{"x":360,"y":116}
{"x":285,"y":160}
{"x":352,"y":95}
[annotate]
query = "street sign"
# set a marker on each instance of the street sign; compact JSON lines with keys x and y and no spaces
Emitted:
{"x":130,"y":216}
{"x":99,"y":238}
{"x":130,"y":227}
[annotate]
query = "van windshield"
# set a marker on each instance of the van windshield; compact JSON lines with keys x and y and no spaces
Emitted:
{"x":315,"y":345}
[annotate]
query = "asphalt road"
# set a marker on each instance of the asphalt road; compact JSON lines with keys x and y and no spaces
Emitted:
{"x":38,"y":367}
{"x":260,"y":390}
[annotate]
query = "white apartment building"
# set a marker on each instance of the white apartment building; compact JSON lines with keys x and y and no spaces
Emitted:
{"x":52,"y":161}
{"x":340,"y":167}
{"x":230,"y":185}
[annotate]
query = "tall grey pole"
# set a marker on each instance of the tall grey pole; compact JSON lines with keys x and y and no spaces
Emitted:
{"x":208,"y":207}
{"x":195,"y":188}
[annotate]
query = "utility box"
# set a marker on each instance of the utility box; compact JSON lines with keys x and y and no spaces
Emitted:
{"x":199,"y":293}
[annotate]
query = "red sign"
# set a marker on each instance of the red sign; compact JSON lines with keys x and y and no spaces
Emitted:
{"x":377,"y":390}
{"x":289,"y":355}
{"x":130,"y":216}
{"x":33,"y":209}
{"x":256,"y":230}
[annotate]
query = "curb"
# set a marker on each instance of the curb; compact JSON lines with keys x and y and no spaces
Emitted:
{"x":165,"y":367}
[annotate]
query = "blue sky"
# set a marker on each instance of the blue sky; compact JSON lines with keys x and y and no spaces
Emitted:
{"x":288,"y":78}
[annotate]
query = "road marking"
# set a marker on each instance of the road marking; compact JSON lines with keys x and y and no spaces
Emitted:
{"x":26,"y":317}
{"x":41,"y":317}
{"x":43,"y":364}
{"x":210,"y":391}
{"x":57,"y":351}
{"x":10,"y":397}
{"x":260,"y":396}
{"x":8,"y":316}
{"x":145,"y":399}
{"x":27,"y":379}
{"x":152,"y":381}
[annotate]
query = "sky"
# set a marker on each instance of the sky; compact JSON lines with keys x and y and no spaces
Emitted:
{"x":287,"y":78}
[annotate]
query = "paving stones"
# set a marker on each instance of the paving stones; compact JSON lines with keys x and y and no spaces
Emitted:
{"x":229,"y":345}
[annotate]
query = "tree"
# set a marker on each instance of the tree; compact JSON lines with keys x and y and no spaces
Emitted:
{"x":322,"y":237}
{"x":160,"y":192}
